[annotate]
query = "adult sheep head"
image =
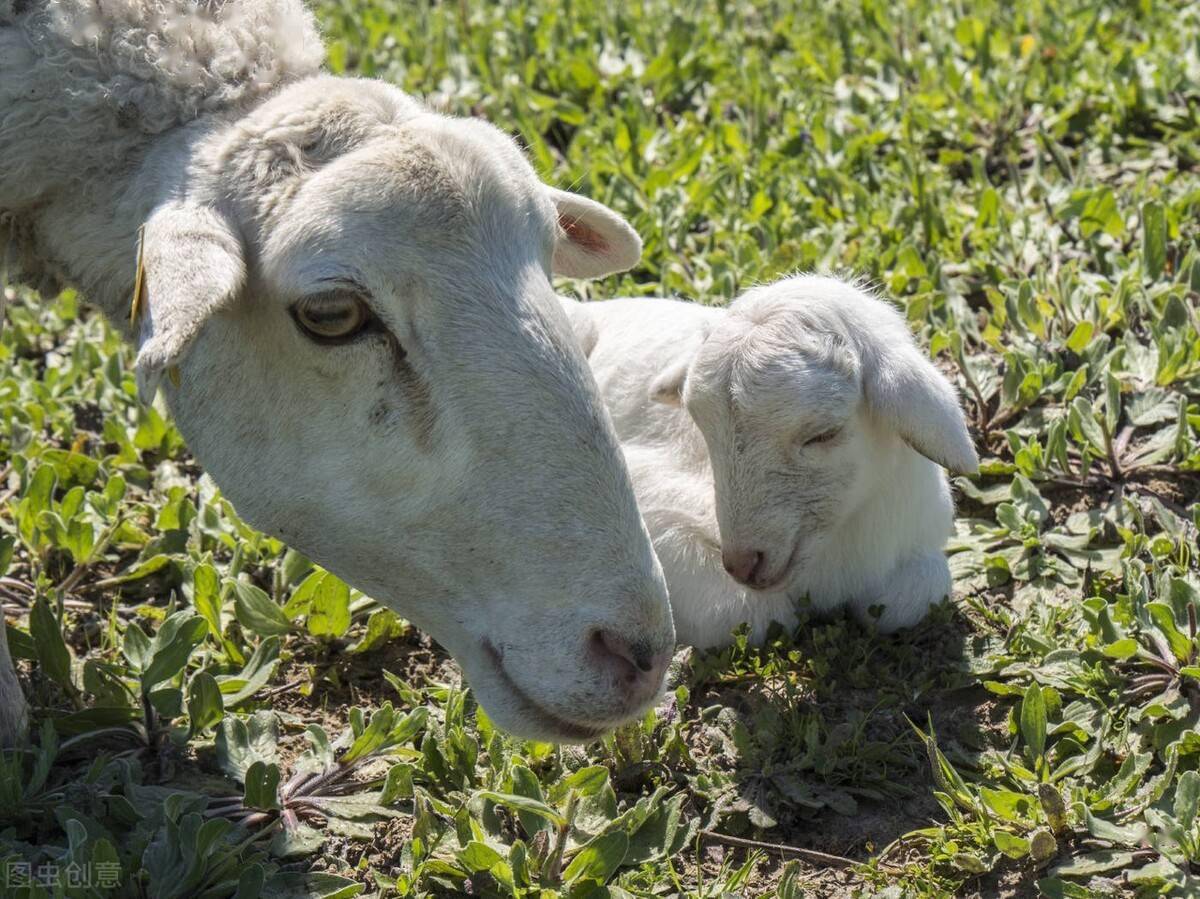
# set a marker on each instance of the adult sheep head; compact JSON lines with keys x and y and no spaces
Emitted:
{"x":807,"y":392}
{"x":353,"y":296}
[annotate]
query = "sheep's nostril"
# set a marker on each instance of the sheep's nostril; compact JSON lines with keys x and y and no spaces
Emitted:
{"x":744,"y":566}
{"x":616,"y":651}
{"x":635,"y":663}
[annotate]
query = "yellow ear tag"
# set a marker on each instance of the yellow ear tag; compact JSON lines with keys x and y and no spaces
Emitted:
{"x":173,"y":374}
{"x":135,"y":307}
{"x":139,"y":277}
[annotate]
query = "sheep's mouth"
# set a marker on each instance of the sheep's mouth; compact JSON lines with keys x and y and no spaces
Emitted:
{"x":549,"y":721}
{"x":785,"y":573}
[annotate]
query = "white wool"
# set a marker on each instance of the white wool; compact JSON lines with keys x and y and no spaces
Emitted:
{"x":85,"y":86}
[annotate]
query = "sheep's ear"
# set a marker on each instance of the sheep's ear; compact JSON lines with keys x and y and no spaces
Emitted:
{"x":906,"y":391}
{"x":189,"y":267}
{"x":593,"y":240}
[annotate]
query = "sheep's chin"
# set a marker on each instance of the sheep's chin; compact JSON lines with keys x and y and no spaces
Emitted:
{"x":529,"y":718}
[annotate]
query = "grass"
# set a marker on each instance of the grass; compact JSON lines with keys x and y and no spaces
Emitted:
{"x":1021,"y":177}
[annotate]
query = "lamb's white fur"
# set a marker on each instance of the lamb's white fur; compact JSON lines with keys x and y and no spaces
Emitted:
{"x":455,"y":462}
{"x":859,"y":520}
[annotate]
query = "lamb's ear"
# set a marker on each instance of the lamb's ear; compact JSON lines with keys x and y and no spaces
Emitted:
{"x":906,"y":391}
{"x":587,"y":335}
{"x":593,"y":240}
{"x":190,"y":266}
{"x":667,"y":386}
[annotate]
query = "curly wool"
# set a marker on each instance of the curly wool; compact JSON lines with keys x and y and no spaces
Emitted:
{"x":86,"y":85}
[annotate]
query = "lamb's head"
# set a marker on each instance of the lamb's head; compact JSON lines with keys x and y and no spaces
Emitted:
{"x":372,"y":365}
{"x":806,"y":393}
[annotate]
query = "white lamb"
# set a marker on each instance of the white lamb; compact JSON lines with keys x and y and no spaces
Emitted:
{"x":821,"y":424}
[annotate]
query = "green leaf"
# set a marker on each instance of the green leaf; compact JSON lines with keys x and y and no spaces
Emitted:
{"x":250,"y":882}
{"x":52,"y":652}
{"x":242,"y":742}
{"x":257,"y":612}
{"x":398,"y":784}
{"x":254,"y":675}
{"x":96,"y":717}
{"x":1187,"y":798}
{"x":1057,"y":888}
{"x":1011,"y":845}
{"x":294,"y":842}
{"x":355,"y":806}
{"x":329,"y":613}
{"x":599,"y":858}
{"x":295,"y":885}
{"x":205,"y":706}
{"x":1155,"y":872}
{"x":262,"y":786}
{"x":1011,"y":806}
{"x":525,"y":783}
{"x":1042,"y":846}
{"x":384,"y":731}
{"x":172,"y":646}
{"x":586,"y":781}
{"x":660,"y":834}
{"x":136,"y":646}
{"x":1122,"y":649}
{"x":1033,"y":720}
{"x":7,"y":545}
{"x":382,"y":625}
{"x":1164,"y":616}
{"x":206,"y":597}
{"x":1154,"y":239}
{"x":1112,"y":402}
{"x":295,"y":565}
{"x":523,"y":804}
{"x":1081,"y":335}
{"x":1094,"y":863}
{"x":476,"y":856}
{"x":1127,"y":835}
{"x":1084,"y":424}
{"x":1053,"y":806}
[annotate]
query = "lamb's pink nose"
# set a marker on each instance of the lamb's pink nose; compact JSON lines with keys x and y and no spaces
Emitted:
{"x":744,"y":565}
{"x":637,"y":666}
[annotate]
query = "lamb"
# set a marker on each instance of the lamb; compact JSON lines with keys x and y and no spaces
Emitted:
{"x":352,"y":296}
{"x":786,"y":447}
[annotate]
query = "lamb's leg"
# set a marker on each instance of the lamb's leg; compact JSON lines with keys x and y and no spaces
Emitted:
{"x":14,"y":710}
{"x":909,"y":592}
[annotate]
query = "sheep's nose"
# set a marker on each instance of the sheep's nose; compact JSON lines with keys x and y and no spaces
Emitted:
{"x":744,"y":565}
{"x":638,"y":666}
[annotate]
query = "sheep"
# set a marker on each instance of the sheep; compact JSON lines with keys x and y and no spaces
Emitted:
{"x":352,"y":297}
{"x":789,"y":446}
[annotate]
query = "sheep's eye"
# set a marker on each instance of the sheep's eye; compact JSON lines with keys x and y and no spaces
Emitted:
{"x":333,"y":317}
{"x":823,"y":437}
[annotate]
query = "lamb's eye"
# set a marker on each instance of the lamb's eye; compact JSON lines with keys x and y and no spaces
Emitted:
{"x":823,"y":437}
{"x":333,"y":317}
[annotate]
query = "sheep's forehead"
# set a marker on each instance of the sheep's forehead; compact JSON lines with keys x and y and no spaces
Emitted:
{"x":775,"y":370}
{"x":418,"y":200}
{"x":381,"y":147}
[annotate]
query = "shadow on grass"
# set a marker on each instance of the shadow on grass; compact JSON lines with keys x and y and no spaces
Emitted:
{"x":812,"y":737}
